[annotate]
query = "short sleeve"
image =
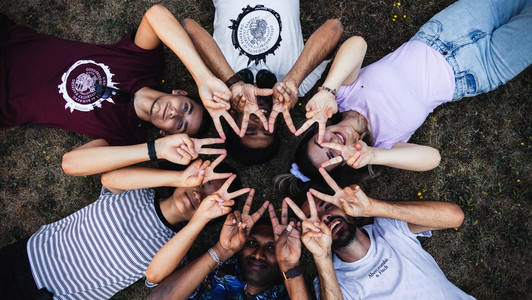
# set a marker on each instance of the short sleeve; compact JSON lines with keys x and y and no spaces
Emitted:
{"x":386,"y":224}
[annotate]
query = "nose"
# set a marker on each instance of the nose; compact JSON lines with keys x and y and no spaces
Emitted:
{"x":173,"y":112}
{"x":258,"y":253}
{"x":324,"y":218}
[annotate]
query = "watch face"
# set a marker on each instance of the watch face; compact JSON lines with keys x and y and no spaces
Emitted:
{"x":257,"y":32}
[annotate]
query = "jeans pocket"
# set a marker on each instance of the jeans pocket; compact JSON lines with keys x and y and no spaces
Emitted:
{"x":471,"y":84}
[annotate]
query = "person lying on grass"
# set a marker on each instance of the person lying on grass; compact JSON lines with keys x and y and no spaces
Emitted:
{"x":276,"y":59}
{"x":106,"y":91}
{"x":469,"y":48}
{"x":383,"y":260}
{"x":107,"y":245}
{"x":249,"y":261}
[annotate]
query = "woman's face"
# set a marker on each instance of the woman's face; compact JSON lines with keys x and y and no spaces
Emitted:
{"x":338,"y":134}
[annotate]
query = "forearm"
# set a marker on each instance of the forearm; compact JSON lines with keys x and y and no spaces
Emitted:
{"x":166,"y":27}
{"x":133,"y":178}
{"x":329,"y":288}
{"x":182,"y":282}
{"x":432,"y":215}
{"x":92,"y":160}
{"x":297,"y":289}
{"x":318,"y":47}
{"x":208,"y":49}
{"x":170,"y":255}
{"x":406,"y":156}
{"x":347,"y":63}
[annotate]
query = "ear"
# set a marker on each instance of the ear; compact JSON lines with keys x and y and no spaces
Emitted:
{"x":163,"y":133}
{"x":179,"y":92}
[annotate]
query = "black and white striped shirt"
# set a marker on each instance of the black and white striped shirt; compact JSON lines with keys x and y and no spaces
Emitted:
{"x":100,"y":249}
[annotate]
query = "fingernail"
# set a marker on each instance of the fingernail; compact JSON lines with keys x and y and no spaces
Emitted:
{"x":183,"y":147}
{"x":317,"y":229}
{"x":234,"y":221}
{"x":289,"y":228}
{"x":239,"y":223}
{"x":193,"y":150}
{"x":202,"y":172}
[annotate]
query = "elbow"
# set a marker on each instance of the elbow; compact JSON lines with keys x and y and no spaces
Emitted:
{"x":187,"y":23}
{"x":156,"y":12}
{"x":357,"y":42}
{"x":69,"y":165}
{"x":335,"y":27}
{"x":153,"y":276}
{"x":457,"y":216}
{"x":435,"y":158}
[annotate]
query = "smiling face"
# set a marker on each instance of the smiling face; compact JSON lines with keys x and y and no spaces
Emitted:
{"x":176,"y":114}
{"x":256,"y":135}
{"x":187,"y":200}
{"x":257,"y":258}
{"x":338,"y":134}
{"x":343,"y":227}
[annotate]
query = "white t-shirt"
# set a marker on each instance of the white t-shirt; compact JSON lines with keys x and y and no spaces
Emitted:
{"x":398,"y":92}
{"x":262,"y":35}
{"x":395,"y":267}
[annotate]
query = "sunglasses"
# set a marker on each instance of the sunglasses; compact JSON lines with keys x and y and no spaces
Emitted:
{"x":104,"y":92}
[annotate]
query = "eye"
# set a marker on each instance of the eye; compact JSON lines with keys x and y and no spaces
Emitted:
{"x":271,"y":248}
{"x":329,"y":155}
{"x":185,"y":108}
{"x":252,"y":243}
{"x":179,"y":125}
{"x":328,"y":206}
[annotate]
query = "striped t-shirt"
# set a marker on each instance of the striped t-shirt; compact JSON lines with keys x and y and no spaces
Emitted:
{"x":100,"y":249}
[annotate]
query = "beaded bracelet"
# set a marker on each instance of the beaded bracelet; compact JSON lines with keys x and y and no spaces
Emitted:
{"x":332,"y":91}
{"x":214,"y":256}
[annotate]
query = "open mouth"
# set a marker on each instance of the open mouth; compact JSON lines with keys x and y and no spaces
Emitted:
{"x":335,"y":225}
{"x":340,"y":136}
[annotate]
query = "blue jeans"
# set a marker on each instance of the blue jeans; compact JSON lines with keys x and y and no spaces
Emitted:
{"x":486,"y":42}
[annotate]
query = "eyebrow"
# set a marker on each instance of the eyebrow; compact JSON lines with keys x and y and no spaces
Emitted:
{"x":189,"y":112}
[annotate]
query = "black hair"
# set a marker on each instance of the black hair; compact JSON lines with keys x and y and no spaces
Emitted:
{"x":206,"y":120}
{"x":345,"y":175}
{"x":250,"y":156}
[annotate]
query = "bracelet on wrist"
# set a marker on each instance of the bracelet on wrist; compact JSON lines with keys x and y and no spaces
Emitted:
{"x":214,"y":256}
{"x":332,"y":91}
{"x":151,"y":150}
{"x":232,"y":80}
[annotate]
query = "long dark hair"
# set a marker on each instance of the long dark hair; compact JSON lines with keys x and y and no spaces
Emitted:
{"x":290,"y":185}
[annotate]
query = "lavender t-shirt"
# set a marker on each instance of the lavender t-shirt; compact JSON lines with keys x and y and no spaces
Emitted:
{"x":398,"y":92}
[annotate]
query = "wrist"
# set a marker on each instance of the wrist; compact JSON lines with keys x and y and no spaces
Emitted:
{"x":233,"y":80}
{"x":287,"y":265}
{"x":223,"y":254}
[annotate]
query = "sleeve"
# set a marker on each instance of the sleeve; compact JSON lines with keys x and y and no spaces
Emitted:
{"x":317,"y":288}
{"x":385,"y":225}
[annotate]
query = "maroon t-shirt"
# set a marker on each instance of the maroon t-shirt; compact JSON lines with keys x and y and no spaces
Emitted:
{"x":50,"y":81}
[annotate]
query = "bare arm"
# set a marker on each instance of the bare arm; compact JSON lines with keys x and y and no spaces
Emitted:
{"x":318,"y":47}
{"x":420,"y":215}
{"x":181,"y":283}
{"x":329,"y":288}
{"x":159,"y":25}
{"x":347,"y":63}
{"x":408,"y":156}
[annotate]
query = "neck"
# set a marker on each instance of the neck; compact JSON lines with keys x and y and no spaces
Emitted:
{"x":252,"y":291}
{"x":170,"y":211}
{"x":355,"y":120}
{"x":355,"y":250}
{"x":143,"y":101}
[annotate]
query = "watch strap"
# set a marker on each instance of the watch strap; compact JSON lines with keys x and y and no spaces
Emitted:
{"x":294,"y":272}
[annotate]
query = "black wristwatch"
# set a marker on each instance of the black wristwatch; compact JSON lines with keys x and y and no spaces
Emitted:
{"x":294,"y":272}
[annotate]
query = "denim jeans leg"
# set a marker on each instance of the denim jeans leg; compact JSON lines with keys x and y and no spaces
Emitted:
{"x":464,"y":34}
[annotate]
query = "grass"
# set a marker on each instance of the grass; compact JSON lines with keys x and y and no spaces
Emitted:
{"x":485,"y":144}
